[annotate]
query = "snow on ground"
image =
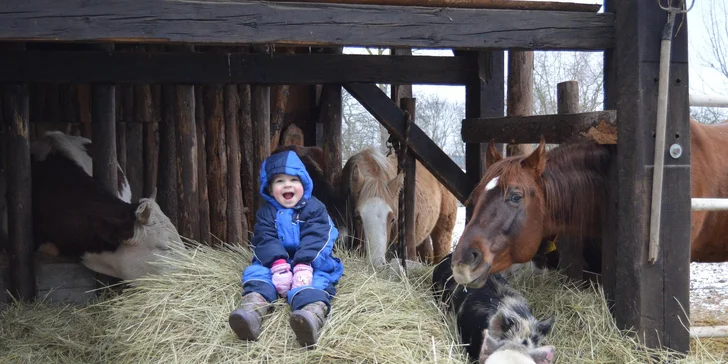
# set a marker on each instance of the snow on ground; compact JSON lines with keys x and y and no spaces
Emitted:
{"x":708,"y":283}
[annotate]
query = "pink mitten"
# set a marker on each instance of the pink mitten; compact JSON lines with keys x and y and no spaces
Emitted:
{"x":282,"y":276}
{"x":302,"y":275}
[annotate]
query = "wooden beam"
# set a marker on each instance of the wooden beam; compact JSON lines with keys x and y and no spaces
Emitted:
{"x":103,"y":117}
{"x":520,"y":92}
{"x":260,"y":114}
{"x":19,"y":192}
{"x":332,"y":119}
{"x":408,"y":245}
{"x":598,"y":125}
{"x":570,"y":248}
{"x":483,"y":98}
{"x":426,"y":151}
{"x":187,"y":174}
{"x":222,"y":68}
{"x":470,"y":4}
{"x":238,"y":22}
{"x":654,"y":299}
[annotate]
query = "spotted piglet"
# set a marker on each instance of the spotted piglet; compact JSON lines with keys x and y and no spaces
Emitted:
{"x":496,"y":351}
{"x":496,"y":306}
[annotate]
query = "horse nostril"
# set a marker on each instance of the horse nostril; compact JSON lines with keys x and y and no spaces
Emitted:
{"x":475,"y":258}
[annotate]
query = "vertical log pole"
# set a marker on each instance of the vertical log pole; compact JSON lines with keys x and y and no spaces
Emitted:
{"x":247,"y":146}
{"x":135,"y":139}
{"x":483,"y":98}
{"x":237,"y":226}
{"x":203,"y":196}
{"x":167,"y":194}
{"x":187,"y":174}
{"x":120,"y":128}
{"x":103,"y":117}
{"x":652,"y":298}
{"x":570,"y":248}
{"x":19,"y":192}
{"x":408,"y":104}
{"x":609,"y":217}
{"x":279,"y":103}
{"x":148,"y":125}
{"x":332,"y":124}
{"x":260,"y":113}
{"x":520,"y":92}
{"x":217,"y":164}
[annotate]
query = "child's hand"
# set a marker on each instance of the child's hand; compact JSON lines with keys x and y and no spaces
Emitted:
{"x":282,"y":276}
{"x":302,"y":275}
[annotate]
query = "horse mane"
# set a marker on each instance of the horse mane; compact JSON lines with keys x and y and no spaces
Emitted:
{"x":573,"y":181}
{"x":376,"y":176}
{"x":575,"y":184}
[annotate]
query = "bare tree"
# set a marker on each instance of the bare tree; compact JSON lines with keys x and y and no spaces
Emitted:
{"x":717,"y":27}
{"x":359,"y":130}
{"x":550,"y":68}
{"x":714,"y":55}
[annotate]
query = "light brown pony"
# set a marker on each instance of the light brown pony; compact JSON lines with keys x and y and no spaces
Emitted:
{"x":523,"y":199}
{"x":371,"y":182}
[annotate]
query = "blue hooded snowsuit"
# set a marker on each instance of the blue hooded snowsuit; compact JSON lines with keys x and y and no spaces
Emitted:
{"x":302,"y":234}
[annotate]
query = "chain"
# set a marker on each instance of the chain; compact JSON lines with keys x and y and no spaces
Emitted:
{"x":401,"y":168}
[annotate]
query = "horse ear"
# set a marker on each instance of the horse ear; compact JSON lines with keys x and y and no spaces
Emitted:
{"x":537,"y":159}
{"x":143,"y":213}
{"x":153,"y":196}
{"x":491,"y":155}
{"x":395,"y":184}
{"x":355,"y":174}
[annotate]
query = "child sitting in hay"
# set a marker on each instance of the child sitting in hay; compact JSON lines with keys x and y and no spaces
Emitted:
{"x":292,"y":229}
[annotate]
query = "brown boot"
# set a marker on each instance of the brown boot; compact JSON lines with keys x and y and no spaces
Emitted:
{"x":246,"y":320}
{"x":307,"y":322}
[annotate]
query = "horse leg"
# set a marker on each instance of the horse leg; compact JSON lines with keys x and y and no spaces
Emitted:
{"x":424,"y":250}
{"x":442,"y":232}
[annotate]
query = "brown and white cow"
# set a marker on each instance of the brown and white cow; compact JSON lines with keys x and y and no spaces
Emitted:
{"x":81,"y":218}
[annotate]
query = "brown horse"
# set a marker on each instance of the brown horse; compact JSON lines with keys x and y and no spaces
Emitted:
{"x":523,"y":199}
{"x":370,"y":182}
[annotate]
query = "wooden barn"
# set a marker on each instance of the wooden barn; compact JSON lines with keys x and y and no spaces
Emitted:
{"x":190,"y":97}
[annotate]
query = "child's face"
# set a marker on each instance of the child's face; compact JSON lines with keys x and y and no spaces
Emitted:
{"x":286,"y":189}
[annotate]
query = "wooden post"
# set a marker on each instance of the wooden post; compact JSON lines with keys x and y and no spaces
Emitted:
{"x":260,"y":113}
{"x":247,"y":168}
{"x":187,"y":174}
{"x":217,"y":164}
{"x":520,"y":92}
{"x":19,"y":192}
{"x":483,"y":98}
{"x":570,"y":248}
{"x":167,"y":193}
{"x":609,"y":219}
{"x":237,"y":227}
{"x":135,"y":142}
{"x":146,"y":124}
{"x":120,"y":127}
{"x":279,"y":103}
{"x":103,"y":118}
{"x":203,"y":192}
{"x":408,"y":104}
{"x":331,"y":118}
{"x":652,"y":298}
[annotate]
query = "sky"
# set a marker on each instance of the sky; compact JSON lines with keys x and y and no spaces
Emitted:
{"x":703,"y":79}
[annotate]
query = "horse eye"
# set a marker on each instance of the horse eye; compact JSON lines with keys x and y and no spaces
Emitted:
{"x":525,"y":342}
{"x":515,"y":197}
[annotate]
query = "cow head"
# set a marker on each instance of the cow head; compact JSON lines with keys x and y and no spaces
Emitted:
{"x":154,"y":236}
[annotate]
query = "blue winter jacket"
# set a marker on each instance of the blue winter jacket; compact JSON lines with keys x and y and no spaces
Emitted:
{"x":302,"y":234}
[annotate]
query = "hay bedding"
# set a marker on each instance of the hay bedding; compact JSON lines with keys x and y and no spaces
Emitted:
{"x":181,"y":317}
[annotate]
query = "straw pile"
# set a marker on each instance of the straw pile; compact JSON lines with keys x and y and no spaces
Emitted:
{"x":182,"y":317}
